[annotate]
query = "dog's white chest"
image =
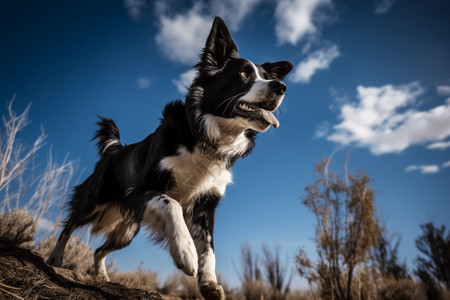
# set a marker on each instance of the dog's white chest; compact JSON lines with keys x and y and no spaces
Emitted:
{"x":195,"y":174}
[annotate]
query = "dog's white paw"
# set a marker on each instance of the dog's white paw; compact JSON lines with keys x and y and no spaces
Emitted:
{"x":184,"y":254}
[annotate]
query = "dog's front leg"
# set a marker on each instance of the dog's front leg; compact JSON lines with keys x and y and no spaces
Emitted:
{"x":202,"y":229}
{"x":164,"y":215}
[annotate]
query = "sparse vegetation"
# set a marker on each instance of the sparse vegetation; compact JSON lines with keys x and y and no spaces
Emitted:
{"x":252,"y":283}
{"x":22,"y":188}
{"x":400,"y":289}
{"x":346,"y":231}
{"x":266,"y":277}
{"x":433,"y":266}
{"x":385,"y":258}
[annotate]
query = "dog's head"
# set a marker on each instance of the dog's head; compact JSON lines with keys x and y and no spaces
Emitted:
{"x":231,"y":93}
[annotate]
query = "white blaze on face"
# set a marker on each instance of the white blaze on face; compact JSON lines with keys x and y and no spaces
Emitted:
{"x":258,"y":89}
{"x":256,"y":94}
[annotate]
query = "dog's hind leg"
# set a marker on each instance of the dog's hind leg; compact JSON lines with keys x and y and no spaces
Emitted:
{"x":202,"y":228}
{"x":56,"y":256}
{"x":164,"y":215}
{"x":119,"y":238}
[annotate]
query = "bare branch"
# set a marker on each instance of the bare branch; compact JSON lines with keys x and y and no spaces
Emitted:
{"x":14,"y":158}
{"x":17,"y":173}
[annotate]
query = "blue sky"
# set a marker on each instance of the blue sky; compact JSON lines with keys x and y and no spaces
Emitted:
{"x":372,"y":77}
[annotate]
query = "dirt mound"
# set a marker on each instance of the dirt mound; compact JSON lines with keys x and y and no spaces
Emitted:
{"x":25,"y":275}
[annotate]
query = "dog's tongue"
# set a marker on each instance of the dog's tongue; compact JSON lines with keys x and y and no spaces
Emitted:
{"x":269,"y":117}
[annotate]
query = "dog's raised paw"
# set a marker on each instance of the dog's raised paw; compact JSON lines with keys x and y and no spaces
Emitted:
{"x":185,"y":256}
{"x":212,"y":291}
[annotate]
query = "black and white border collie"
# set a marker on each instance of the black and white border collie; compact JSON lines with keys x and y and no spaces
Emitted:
{"x":171,"y":182}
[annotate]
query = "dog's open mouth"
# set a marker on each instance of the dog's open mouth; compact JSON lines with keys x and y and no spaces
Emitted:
{"x":257,"y":111}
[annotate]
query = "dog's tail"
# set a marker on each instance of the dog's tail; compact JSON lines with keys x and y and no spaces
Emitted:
{"x":107,"y":136}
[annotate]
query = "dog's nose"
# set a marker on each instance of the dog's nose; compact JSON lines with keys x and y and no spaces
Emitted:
{"x":277,"y":87}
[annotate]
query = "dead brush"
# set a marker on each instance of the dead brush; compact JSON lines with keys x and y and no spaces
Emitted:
{"x":401,"y":289}
{"x":18,"y":228}
{"x":140,"y":279}
{"x":78,"y":256}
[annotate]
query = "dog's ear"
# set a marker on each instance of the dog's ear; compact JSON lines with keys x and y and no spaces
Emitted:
{"x":219,"y":47}
{"x":278,"y":70}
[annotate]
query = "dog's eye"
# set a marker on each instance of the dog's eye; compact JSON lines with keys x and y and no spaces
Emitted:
{"x":243,"y":74}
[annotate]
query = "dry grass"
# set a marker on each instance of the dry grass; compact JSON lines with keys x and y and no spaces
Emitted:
{"x":17,"y":228}
{"x":78,"y":256}
{"x":300,"y":295}
{"x":140,"y":279}
{"x":401,"y":289}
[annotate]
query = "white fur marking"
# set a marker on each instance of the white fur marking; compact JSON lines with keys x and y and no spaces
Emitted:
{"x":195,"y":174}
{"x":212,"y":127}
{"x":164,"y":215}
{"x":109,"y":144}
{"x":101,"y":268}
{"x":258,"y":88}
{"x":207,"y":266}
{"x":258,"y":77}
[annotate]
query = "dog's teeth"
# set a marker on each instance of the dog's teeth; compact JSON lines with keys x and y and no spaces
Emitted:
{"x":243,"y":106}
{"x":246,"y":107}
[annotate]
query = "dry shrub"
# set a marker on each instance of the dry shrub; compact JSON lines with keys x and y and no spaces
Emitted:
{"x":299,"y":295}
{"x":255,"y":290}
{"x":17,"y":228}
{"x":400,"y":290}
{"x":140,"y":279}
{"x":170,"y":286}
{"x":78,"y":256}
{"x":189,"y":288}
{"x":230,"y":292}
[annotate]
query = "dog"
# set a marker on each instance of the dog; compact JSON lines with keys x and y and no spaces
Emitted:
{"x":171,"y":182}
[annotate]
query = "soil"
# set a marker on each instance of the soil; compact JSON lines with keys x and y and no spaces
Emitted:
{"x":25,"y":275}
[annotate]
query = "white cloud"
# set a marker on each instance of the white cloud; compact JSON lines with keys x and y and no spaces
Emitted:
{"x":383,"y":6}
{"x":184,"y":80}
{"x":443,"y":90}
{"x":384,"y":122}
{"x":183,"y":36}
{"x":439,"y":145}
{"x":233,"y":11}
{"x":322,"y":130}
{"x":144,"y":82}
{"x":297,"y":18}
{"x":446,"y":164}
{"x":46,"y":225}
{"x":424,"y":169}
{"x":135,"y":8}
{"x":318,"y":60}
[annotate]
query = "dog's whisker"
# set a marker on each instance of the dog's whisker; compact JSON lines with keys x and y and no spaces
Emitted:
{"x":229,"y":100}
